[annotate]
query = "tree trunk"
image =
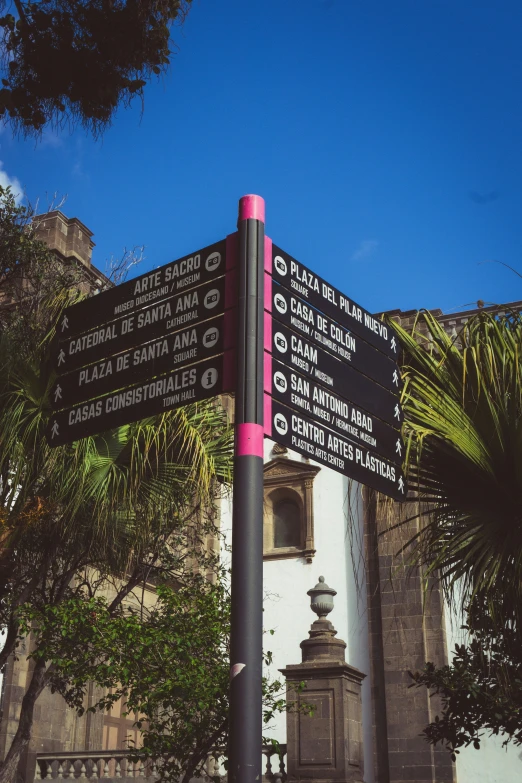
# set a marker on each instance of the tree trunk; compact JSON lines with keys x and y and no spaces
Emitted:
{"x":9,"y":768}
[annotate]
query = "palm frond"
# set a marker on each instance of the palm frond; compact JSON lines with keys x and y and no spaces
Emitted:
{"x":462,"y":399}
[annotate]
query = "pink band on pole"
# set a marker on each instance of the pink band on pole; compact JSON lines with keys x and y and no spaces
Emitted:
{"x":268,"y":415}
{"x":268,"y":333}
{"x":231,"y":250}
{"x":230,"y":289}
{"x":268,"y":255}
{"x":268,"y":292}
{"x":249,"y":440}
{"x":268,"y":372}
{"x":252,"y":207}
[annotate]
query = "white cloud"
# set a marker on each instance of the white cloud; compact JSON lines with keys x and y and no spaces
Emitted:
{"x":7,"y":181}
{"x":365,"y":249}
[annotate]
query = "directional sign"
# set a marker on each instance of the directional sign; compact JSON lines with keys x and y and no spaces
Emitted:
{"x":152,"y":287}
{"x":171,"y":351}
{"x":315,"y":441}
{"x":309,"y":360}
{"x":177,"y":388}
{"x":145,"y":325}
{"x":318,"y":293}
{"x":318,"y":403}
{"x":316,"y":327}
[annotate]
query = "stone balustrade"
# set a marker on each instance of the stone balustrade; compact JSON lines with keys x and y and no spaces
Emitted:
{"x":115,"y":765}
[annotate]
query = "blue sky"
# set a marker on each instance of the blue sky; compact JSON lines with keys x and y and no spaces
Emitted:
{"x":386,"y":139}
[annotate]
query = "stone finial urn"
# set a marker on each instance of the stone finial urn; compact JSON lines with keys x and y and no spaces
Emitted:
{"x":324,"y":744}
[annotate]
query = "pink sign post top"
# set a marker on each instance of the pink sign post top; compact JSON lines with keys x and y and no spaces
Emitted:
{"x":252,"y":207}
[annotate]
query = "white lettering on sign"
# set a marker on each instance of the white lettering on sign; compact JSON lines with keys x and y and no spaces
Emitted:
{"x":86,"y":412}
{"x":96,"y":372}
{"x":374,"y":464}
{"x":150,"y":391}
{"x":154,"y":314}
{"x":150,"y":352}
{"x":304,"y":277}
{"x":299,"y":385}
{"x":302,"y":310}
{"x":140,"y":300}
{"x":350,"y":309}
{"x":303,"y":349}
{"x":147,"y":283}
{"x":98,"y":337}
{"x":184,"y":267}
{"x":307,"y":429}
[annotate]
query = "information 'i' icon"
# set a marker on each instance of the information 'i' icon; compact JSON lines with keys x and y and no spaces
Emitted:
{"x":209,"y":378}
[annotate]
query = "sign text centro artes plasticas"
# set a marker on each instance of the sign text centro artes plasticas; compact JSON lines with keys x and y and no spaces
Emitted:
{"x":312,"y":440}
{"x":181,"y":275}
{"x":298,"y":278}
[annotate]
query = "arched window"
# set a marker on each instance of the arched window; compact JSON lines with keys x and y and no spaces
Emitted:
{"x":288,"y":529}
{"x":287,"y":523}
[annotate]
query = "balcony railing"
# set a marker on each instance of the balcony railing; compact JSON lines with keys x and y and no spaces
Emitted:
{"x":115,"y":765}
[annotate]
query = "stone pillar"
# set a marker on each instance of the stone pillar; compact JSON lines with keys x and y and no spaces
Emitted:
{"x":324,"y":746}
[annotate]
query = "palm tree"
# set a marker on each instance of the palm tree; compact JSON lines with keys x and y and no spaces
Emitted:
{"x":109,"y":502}
{"x":463,"y":431}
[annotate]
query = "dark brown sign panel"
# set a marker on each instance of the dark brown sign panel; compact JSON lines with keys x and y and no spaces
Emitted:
{"x":169,"y":352}
{"x":316,"y":442}
{"x":309,"y":360}
{"x":304,"y":283}
{"x":145,"y":325}
{"x":329,"y":335}
{"x":318,"y":403}
{"x":154,"y":396}
{"x":152,"y":287}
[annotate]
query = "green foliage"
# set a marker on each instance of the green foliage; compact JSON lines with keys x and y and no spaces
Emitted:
{"x":33,"y":282}
{"x":463,"y":429}
{"x":480,"y":691}
{"x":169,"y":663}
{"x":77,"y":60}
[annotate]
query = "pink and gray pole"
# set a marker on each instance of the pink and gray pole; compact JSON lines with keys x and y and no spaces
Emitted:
{"x":245,"y":728}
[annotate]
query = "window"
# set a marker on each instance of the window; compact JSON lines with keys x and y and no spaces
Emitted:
{"x":288,"y":509}
{"x":287,"y":524}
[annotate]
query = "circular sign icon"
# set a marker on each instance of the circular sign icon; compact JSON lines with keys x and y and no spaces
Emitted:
{"x":280,"y":424}
{"x":209,"y":378}
{"x":211,"y":337}
{"x":280,"y":342}
{"x":213,"y":261}
{"x":280,"y":303}
{"x":280,"y":265}
{"x":211,"y":299}
{"x":280,"y":381}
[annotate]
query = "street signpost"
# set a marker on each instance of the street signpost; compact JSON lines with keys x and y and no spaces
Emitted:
{"x":309,"y":368}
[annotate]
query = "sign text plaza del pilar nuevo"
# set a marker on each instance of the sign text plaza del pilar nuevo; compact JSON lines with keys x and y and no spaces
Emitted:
{"x":309,"y":368}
